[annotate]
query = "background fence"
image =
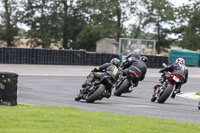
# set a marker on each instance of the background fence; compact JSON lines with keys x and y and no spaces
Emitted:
{"x":64,"y":57}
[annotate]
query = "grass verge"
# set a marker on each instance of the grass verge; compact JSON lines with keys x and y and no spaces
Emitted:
{"x":198,"y":93}
{"x":45,"y":119}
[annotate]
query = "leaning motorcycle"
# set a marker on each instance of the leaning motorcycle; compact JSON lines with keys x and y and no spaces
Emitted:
{"x":125,"y":83}
{"x":167,"y":88}
{"x":97,"y":90}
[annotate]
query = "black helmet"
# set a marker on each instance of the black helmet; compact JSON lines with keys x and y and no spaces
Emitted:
{"x":115,"y":62}
{"x":135,"y":54}
{"x":144,"y":59}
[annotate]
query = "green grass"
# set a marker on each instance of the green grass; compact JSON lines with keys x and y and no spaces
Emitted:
{"x":198,"y":93}
{"x":45,"y":119}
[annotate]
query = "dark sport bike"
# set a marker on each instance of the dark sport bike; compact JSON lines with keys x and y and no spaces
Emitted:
{"x":167,"y":88}
{"x":125,"y":83}
{"x":97,"y":90}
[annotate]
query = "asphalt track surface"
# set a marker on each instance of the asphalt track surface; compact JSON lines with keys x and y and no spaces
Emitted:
{"x":56,"y":85}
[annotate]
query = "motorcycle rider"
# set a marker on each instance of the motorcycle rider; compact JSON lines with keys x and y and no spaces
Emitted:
{"x":135,"y":53}
{"x":136,"y":63}
{"x":110,"y":69}
{"x":179,"y":68}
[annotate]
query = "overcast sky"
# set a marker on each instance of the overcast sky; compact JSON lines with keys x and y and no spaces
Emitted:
{"x":178,"y":2}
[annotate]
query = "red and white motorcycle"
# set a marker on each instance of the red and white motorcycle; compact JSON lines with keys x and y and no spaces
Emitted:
{"x":167,"y":88}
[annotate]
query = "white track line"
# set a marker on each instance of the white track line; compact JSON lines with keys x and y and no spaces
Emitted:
{"x":190,"y":95}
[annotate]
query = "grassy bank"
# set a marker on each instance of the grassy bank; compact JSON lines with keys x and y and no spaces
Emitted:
{"x":198,"y":93}
{"x":44,"y":119}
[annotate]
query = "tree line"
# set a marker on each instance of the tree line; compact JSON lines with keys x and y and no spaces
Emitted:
{"x":80,"y":23}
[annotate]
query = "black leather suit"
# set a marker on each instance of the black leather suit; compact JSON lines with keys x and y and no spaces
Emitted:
{"x":136,"y":65}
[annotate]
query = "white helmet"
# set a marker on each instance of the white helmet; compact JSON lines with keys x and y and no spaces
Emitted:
{"x":180,"y":60}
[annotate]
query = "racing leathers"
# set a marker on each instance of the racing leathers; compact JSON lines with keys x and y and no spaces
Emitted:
{"x":101,"y":70}
{"x":137,"y":65}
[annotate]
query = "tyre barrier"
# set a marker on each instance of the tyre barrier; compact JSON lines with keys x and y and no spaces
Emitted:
{"x":8,"y":88}
{"x":10,"y":55}
{"x":156,"y":61}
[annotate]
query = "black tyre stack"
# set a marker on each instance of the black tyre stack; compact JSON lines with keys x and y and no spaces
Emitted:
{"x":8,"y":88}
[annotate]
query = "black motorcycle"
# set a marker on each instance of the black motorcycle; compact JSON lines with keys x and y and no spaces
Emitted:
{"x":125,"y":83}
{"x":97,"y":90}
{"x":167,"y":88}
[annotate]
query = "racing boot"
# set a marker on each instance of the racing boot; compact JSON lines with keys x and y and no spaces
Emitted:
{"x":89,"y":80}
{"x":130,"y":89}
{"x":156,"y":86}
{"x":178,"y":91}
{"x":175,"y":92}
{"x":199,"y":105}
{"x":161,"y":81}
{"x":86,"y":83}
{"x":107,"y":94}
{"x":173,"y":95}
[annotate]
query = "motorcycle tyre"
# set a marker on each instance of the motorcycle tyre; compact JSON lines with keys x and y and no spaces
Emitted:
{"x":165,"y":94}
{"x":94,"y":96}
{"x":124,"y":86}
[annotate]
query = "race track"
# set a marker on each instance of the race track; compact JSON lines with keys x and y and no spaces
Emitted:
{"x":55,"y":85}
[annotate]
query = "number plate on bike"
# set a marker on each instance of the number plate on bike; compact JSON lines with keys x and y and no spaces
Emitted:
{"x":176,"y":79}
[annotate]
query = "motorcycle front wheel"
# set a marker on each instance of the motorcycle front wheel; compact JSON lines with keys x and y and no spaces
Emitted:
{"x":95,"y":95}
{"x":122,"y":88}
{"x":166,"y":93}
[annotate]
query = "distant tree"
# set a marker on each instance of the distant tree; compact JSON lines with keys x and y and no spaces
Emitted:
{"x":8,"y":21}
{"x":159,"y":13}
{"x":71,"y":19}
{"x":21,"y":32}
{"x":88,"y":37}
{"x":38,"y":16}
{"x":51,"y":21}
{"x":105,"y":18}
{"x":124,"y":10}
{"x":188,"y":30}
{"x":100,"y":23}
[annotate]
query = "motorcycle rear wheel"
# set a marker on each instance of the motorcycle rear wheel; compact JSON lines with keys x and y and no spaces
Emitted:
{"x":124,"y":86}
{"x":94,"y":96}
{"x":165,"y":94}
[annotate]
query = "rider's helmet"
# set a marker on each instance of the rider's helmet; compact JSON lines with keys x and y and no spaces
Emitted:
{"x":180,"y":60}
{"x":144,"y":59}
{"x":135,"y":54}
{"x":115,"y":62}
